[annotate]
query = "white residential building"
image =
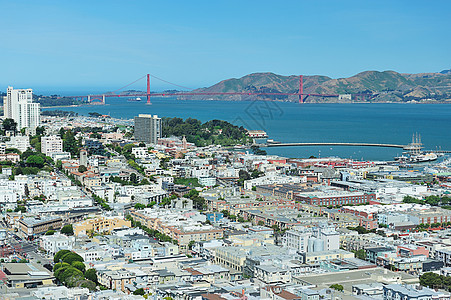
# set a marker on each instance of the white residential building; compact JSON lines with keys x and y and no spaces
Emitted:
{"x":319,"y":238}
{"x":199,"y":172}
{"x":271,"y":179}
{"x":207,"y":181}
{"x":270,"y":274}
{"x":51,"y":144}
{"x":21,"y":143}
{"x":56,"y":242}
{"x":18,"y":105}
{"x":140,"y":152}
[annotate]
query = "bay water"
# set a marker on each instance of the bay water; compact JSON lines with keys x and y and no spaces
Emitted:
{"x":390,"y":123}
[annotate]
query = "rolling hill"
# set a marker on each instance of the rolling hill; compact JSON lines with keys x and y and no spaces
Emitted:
{"x":371,"y":86}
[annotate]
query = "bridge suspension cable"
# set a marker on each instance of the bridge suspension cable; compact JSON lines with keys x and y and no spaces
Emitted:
{"x":115,"y":91}
{"x":174,"y":84}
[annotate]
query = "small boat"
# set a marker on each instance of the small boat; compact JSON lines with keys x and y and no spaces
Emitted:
{"x":417,"y":158}
{"x":137,"y":99}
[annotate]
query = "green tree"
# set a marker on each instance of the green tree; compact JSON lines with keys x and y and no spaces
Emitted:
{"x":67,"y":229}
{"x":10,"y":125}
{"x":133,"y":178}
{"x":244,"y":175}
{"x":139,"y":206}
{"x":79,"y":265}
{"x":88,"y":284}
{"x":337,"y":287}
{"x":409,"y":199}
{"x":82,"y":169}
{"x":139,"y":291}
{"x":59,"y":255}
{"x":191,"y":244}
{"x":20,"y":208}
{"x":361,"y":254}
{"x":40,"y":130}
{"x":275,"y":228}
{"x":60,"y":265}
{"x":50,"y":232}
{"x":91,"y":274}
{"x":35,"y":161}
{"x":95,"y":135}
{"x":431,"y":280}
{"x":71,"y":257}
{"x":70,"y":143}
{"x":69,"y":276}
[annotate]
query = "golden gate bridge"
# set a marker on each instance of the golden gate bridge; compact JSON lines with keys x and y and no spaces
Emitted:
{"x":100,"y":98}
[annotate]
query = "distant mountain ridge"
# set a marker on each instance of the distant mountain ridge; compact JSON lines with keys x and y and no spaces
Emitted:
{"x":372,"y":86}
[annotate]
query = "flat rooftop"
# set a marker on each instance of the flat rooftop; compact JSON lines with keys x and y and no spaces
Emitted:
{"x":353,"y":277}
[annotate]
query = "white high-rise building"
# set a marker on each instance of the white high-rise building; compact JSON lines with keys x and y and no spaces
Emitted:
{"x":51,"y":144}
{"x":18,"y":105}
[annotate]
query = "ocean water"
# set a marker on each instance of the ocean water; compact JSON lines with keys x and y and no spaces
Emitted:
{"x":293,"y":122}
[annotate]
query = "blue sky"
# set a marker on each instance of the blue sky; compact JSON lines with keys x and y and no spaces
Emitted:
{"x":67,"y":46}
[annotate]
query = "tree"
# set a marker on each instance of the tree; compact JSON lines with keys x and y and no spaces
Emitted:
{"x":69,"y":276}
{"x":133,"y":178}
{"x":67,"y":229}
{"x":20,"y":208}
{"x":40,"y":130}
{"x":79,"y":265}
{"x":360,"y":254}
{"x":91,"y":274}
{"x":59,"y":255}
{"x":50,"y":232}
{"x":88,"y":284}
{"x":409,"y":199}
{"x":24,"y":156}
{"x":71,"y":257}
{"x":60,"y":265}
{"x":431,"y":280}
{"x":10,"y":125}
{"x":70,"y":143}
{"x":35,"y":161}
{"x":139,"y":206}
{"x":191,"y":244}
{"x":95,"y":135}
{"x":337,"y":287}
{"x":244,"y":175}
{"x":82,"y":169}
{"x":139,"y":291}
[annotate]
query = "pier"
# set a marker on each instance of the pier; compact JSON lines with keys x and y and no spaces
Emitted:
{"x":405,"y":147}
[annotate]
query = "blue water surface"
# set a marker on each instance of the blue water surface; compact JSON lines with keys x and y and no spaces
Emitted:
{"x":293,"y":122}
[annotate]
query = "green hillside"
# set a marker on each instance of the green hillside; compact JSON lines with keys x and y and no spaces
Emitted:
{"x":375,"y":85}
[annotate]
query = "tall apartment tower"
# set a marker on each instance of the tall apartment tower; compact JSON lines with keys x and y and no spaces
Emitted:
{"x":147,"y":128}
{"x":83,"y":157}
{"x":18,"y":105}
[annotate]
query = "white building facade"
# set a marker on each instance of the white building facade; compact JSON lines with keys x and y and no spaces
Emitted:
{"x":18,"y":105}
{"x":51,"y":144}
